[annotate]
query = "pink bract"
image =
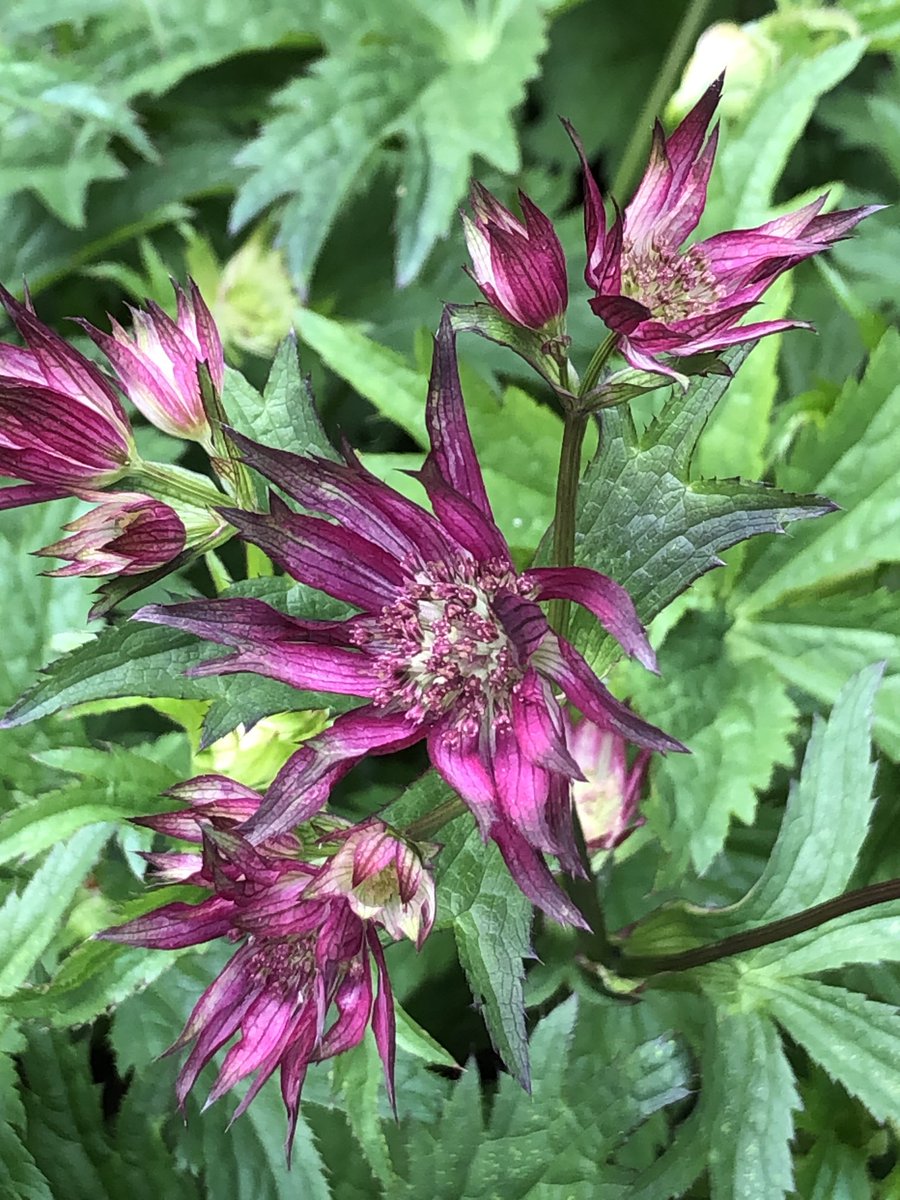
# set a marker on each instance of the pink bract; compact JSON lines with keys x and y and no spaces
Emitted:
{"x":126,"y":534}
{"x":62,"y":427}
{"x":664,"y":299}
{"x":157,"y":363}
{"x":606,"y":799}
{"x":519,"y":267}
{"x":450,"y":643}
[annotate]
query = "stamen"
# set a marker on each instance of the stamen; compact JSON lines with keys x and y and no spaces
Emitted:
{"x":672,"y":285}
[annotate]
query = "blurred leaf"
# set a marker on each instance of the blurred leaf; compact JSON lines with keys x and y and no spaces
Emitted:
{"x":736,"y":718}
{"x":411,"y":81}
{"x":834,"y":1172}
{"x":30,"y":919}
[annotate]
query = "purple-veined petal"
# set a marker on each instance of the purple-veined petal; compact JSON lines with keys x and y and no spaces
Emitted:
{"x":607,"y":600}
{"x":685,"y":142}
{"x":582,"y":687}
{"x":320,"y":668}
{"x":324,"y":556}
{"x":28,"y":493}
{"x":524,"y":622}
{"x":537,"y":724}
{"x":464,"y":521}
{"x":522,"y":790}
{"x":237,"y":621}
{"x":649,"y":200}
{"x":459,"y":761}
{"x":384,"y":1022}
{"x":452,"y":451}
{"x":533,"y":877}
{"x":594,"y":216}
{"x":353,"y":1001}
{"x":620,"y":313}
{"x":175,"y":926}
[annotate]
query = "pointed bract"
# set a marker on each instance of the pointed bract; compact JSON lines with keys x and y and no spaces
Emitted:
{"x":665,"y":301}
{"x":126,"y":534}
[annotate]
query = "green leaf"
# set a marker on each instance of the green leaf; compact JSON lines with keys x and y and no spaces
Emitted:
{"x":643,"y":522}
{"x":29,"y":920}
{"x":410,"y":81}
{"x":595,"y":1080}
{"x":117,"y":784}
{"x":737,"y":719}
{"x":855,"y":1039}
{"x":285,"y":415}
{"x":834,"y":1172}
{"x":20,"y":1179}
{"x":827,"y":815}
{"x":133,"y":659}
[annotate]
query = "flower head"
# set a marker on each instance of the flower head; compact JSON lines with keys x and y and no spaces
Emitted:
{"x":383,"y":878}
{"x":158,"y":362}
{"x":299,"y":988}
{"x":62,"y":426}
{"x":450,"y":643}
{"x":664,"y":299}
{"x":126,"y":534}
{"x":519,"y":267}
{"x":606,"y":798}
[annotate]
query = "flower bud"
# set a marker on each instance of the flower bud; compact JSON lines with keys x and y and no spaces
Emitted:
{"x":606,"y":800}
{"x":157,"y":363}
{"x":520,"y":268}
{"x":62,"y":426}
{"x":126,"y":534}
{"x":383,"y":879}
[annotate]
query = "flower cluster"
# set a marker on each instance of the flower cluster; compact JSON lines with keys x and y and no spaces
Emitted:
{"x":661,"y":301}
{"x":64,"y":431}
{"x":449,"y":644}
{"x":306,"y":917}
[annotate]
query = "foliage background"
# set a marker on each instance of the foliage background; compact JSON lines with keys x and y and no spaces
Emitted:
{"x":304,"y":161}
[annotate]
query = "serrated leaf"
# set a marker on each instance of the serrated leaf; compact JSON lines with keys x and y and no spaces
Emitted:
{"x":737,"y":719}
{"x":29,"y":920}
{"x":834,"y":1172}
{"x":642,"y":521}
{"x":117,"y":784}
{"x":855,"y":1039}
{"x":409,"y":82}
{"x":285,"y":415}
{"x":134,"y":659}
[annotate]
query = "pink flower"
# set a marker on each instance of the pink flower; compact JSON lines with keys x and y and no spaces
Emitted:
{"x":126,"y":534}
{"x":661,"y":298}
{"x":450,"y":643}
{"x":606,"y":799}
{"x":62,"y":427}
{"x":383,"y":879}
{"x":304,"y":952}
{"x":157,"y":364}
{"x":520,"y":268}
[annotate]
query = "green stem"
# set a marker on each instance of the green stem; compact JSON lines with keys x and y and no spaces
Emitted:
{"x":597,"y":363}
{"x":676,"y":56}
{"x":423,"y":829}
{"x":175,"y":483}
{"x":566,"y":496}
{"x":763,"y":935}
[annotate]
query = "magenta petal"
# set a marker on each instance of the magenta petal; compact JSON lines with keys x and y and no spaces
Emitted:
{"x":262,"y":1040}
{"x":594,"y":216}
{"x":29,"y":493}
{"x":463,"y":520}
{"x":353,"y":1001}
{"x":533,"y":877}
{"x":460,"y":763}
{"x":588,"y":694}
{"x":384,"y":1022}
{"x":452,"y":451}
{"x":237,"y":622}
{"x":602,"y":596}
{"x":649,"y":200}
{"x":176,"y":925}
{"x":537,"y":724}
{"x":685,"y":142}
{"x":522,"y":789}
{"x":324,"y":556}
{"x":523,"y":621}
{"x":320,"y":668}
{"x":619,"y":313}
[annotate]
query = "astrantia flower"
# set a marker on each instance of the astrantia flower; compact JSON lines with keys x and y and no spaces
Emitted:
{"x":664,"y":299}
{"x":157,"y":363}
{"x":606,"y":799}
{"x":519,"y":267}
{"x":126,"y":534}
{"x":62,"y":427}
{"x":450,"y":644}
{"x":299,"y":988}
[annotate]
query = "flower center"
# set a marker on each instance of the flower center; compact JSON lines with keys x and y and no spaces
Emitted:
{"x":672,"y":285}
{"x":286,"y":964}
{"x":441,"y":647}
